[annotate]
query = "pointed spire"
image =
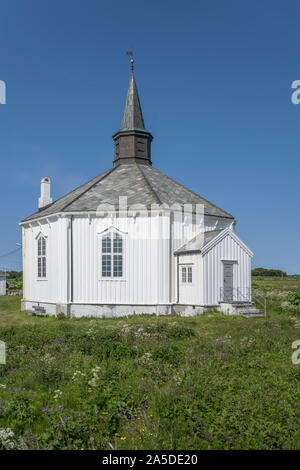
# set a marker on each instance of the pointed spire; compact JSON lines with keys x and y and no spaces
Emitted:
{"x":132,"y":141}
{"x":132,"y":116}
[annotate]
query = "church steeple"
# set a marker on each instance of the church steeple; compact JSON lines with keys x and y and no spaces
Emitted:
{"x":133,"y":141}
{"x":132,"y":116}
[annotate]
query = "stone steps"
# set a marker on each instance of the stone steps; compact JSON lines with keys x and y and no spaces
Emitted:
{"x":253,"y":315}
{"x":245,"y":309}
{"x":248,"y":311}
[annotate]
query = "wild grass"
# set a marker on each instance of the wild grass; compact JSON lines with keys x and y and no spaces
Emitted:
{"x":147,"y":382}
{"x":282,"y":294}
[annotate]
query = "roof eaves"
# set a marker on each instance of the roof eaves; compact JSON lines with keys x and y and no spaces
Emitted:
{"x":186,"y":252}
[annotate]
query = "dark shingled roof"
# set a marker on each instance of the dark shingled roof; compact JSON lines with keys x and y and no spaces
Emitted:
{"x":142,"y":184}
{"x":3,"y":274}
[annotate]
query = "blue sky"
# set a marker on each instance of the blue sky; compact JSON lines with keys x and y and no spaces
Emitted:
{"x":214,"y":79}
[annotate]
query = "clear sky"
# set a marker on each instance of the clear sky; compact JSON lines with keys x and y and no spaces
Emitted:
{"x":214,"y":78}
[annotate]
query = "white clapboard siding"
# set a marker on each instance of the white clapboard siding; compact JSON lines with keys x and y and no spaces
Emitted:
{"x":182,"y":232}
{"x":146,"y":261}
{"x":150,"y":267}
{"x":227,"y":249}
{"x":191,"y":293}
{"x":54,"y":287}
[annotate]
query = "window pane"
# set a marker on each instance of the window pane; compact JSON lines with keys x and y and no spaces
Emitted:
{"x":106,"y":244}
{"x":118,"y":265}
{"x":39,"y":267}
{"x":118,"y":243}
{"x":183,"y":274}
{"x":190,"y":275}
{"x":112,"y":259}
{"x":106,"y":265}
{"x":43,"y":246}
{"x":44,"y":267}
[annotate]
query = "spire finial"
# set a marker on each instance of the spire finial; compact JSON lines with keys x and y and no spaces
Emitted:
{"x":130,"y":53}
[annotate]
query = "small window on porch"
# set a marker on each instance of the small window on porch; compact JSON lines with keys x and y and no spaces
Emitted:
{"x":186,"y":274}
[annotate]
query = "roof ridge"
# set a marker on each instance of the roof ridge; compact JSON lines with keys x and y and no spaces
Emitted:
{"x":190,"y":191}
{"x":101,"y":177}
{"x":149,"y":185}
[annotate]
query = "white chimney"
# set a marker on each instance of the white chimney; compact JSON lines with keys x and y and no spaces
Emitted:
{"x":45,"y":198}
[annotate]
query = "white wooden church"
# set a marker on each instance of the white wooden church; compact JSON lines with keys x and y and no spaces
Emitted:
{"x":132,"y":241}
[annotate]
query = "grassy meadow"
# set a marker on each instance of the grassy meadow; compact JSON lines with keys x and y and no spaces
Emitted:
{"x":147,"y":382}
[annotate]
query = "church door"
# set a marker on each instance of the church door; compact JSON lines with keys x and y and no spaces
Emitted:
{"x":228,"y":282}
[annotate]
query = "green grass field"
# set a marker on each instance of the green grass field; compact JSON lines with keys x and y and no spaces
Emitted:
{"x":206,"y":382}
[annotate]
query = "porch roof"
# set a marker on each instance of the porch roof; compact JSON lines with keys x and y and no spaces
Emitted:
{"x":197,"y":243}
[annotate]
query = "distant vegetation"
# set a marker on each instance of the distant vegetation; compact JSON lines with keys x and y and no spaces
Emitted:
{"x":268,"y":272}
{"x":282,"y":294}
{"x":14,"y":280}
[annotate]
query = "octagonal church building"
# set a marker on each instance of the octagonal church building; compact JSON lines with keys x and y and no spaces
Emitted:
{"x":132,"y":241}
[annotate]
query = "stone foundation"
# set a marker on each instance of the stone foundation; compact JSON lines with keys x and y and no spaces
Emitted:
{"x":110,"y":310}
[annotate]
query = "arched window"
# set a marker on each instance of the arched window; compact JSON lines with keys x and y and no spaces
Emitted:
{"x":42,"y":264}
{"x":112,"y":255}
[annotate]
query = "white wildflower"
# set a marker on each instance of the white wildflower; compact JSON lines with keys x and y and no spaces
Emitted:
{"x":7,"y":438}
{"x":141,"y":332}
{"x":245,"y":341}
{"x":48,"y":359}
{"x":93,"y":382}
{"x":226,"y":339}
{"x":179,"y":377}
{"x":91,"y":333}
{"x":125,"y":329}
{"x":77,"y":375}
{"x":57,"y":394}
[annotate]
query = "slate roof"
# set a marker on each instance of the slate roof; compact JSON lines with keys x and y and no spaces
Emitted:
{"x":132,"y":116}
{"x":198,"y":242}
{"x":142,"y":184}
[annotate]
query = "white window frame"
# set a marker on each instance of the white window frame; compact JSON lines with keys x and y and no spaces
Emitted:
{"x":111,"y":233}
{"x":186,"y":273}
{"x":42,"y":256}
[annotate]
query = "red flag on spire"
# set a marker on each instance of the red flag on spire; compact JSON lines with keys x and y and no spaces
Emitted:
{"x":129,"y":53}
